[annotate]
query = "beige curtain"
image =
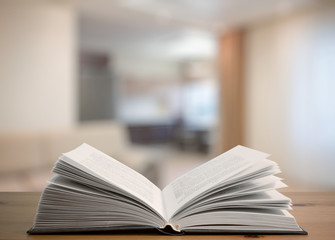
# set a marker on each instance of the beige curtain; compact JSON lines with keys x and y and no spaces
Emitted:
{"x":231,"y":89}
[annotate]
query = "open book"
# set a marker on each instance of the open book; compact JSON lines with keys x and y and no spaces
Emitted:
{"x":232,"y":193}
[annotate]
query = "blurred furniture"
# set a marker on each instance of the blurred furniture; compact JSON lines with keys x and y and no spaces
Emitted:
{"x":193,"y":139}
{"x":151,"y":134}
{"x":188,"y":139}
{"x":28,"y":151}
{"x":314,"y":211}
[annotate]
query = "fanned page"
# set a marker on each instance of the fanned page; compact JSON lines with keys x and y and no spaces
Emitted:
{"x":216,"y":171}
{"x":106,"y":168}
{"x":234,"y":192}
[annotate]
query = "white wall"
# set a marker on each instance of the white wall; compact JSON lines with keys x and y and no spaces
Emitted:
{"x":37,"y":64}
{"x":290,"y":95}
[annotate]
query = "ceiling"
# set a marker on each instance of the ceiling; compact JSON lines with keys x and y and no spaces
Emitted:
{"x":171,"y":28}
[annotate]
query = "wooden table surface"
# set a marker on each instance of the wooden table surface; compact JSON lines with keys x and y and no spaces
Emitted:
{"x":314,"y":211}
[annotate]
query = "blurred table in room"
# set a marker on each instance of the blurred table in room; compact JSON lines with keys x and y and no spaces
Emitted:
{"x":314,"y":211}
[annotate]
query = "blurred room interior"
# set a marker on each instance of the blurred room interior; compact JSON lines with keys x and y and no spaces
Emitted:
{"x":164,"y":85}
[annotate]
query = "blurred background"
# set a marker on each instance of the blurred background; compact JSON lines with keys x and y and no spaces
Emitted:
{"x":165,"y":85}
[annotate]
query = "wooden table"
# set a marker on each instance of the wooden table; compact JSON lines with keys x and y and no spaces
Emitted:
{"x":315,"y":212}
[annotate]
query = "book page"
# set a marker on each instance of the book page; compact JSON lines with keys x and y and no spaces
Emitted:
{"x":100,"y":165}
{"x":67,"y":195}
{"x":208,"y":175}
